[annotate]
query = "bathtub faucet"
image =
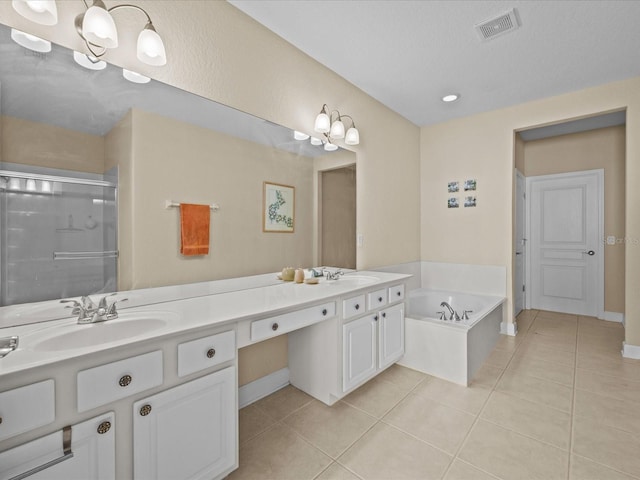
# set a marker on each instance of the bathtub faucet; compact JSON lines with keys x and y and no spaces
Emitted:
{"x":453,"y":313}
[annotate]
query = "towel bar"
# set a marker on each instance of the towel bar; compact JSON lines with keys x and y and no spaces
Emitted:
{"x":169,"y":204}
{"x":66,"y":455}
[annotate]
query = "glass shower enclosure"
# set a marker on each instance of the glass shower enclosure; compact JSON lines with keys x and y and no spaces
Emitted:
{"x":58,"y":237}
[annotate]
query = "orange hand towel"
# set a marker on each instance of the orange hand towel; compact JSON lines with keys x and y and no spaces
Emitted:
{"x":194,"y":229}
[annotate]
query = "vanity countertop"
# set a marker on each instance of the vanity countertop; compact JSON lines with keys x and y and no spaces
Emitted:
{"x":212,"y":309}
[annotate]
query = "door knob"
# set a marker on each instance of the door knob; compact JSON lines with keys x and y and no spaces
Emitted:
{"x":518,"y":253}
{"x":590,"y":253}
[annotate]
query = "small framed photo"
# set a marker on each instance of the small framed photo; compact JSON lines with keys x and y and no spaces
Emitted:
{"x":453,"y":187}
{"x":278,"y":208}
{"x":453,"y":202}
{"x":469,"y":201}
{"x":469,"y":185}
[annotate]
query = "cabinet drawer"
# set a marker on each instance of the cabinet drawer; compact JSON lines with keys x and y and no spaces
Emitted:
{"x":377,"y":299}
{"x":206,"y":352}
{"x":396,"y":293}
{"x":353,"y":306}
{"x":113,"y":381}
{"x":270,"y":327}
{"x":25,"y":408}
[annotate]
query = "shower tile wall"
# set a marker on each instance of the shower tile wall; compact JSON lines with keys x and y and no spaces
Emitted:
{"x":72,"y":218}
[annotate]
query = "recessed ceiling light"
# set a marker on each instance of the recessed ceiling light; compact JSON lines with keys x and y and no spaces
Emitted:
{"x":452,"y":97}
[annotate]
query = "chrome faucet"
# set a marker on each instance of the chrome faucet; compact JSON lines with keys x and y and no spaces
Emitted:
{"x":453,"y":313}
{"x":332,"y":275}
{"x":88,"y":312}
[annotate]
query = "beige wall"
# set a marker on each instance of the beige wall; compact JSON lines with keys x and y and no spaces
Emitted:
{"x":338,"y":213}
{"x":187,"y":164}
{"x":44,"y":145}
{"x":603,"y":148}
{"x":483,"y":146}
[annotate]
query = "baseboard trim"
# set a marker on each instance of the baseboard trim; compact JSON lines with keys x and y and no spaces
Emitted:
{"x":630,"y":351}
{"x":510,"y":329}
{"x":260,"y":388}
{"x":613,"y":317}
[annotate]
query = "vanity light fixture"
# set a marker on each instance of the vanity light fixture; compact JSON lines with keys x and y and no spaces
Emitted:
{"x":88,"y":61}
{"x":43,"y":12}
{"x":29,"y":41}
{"x":134,"y":76}
{"x":98,"y":30}
{"x":300,"y":135}
{"x":452,"y":97}
{"x":333,"y":127}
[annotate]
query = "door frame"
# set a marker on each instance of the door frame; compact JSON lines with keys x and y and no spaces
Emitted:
{"x":519,"y":175}
{"x":599,"y":172}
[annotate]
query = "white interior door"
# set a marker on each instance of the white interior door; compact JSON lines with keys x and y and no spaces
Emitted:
{"x":519,"y":243}
{"x":566,"y":228}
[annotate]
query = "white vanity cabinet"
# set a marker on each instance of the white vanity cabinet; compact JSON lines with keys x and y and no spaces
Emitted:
{"x":189,"y":431}
{"x":79,"y":452}
{"x":390,"y":335}
{"x":359,"y":350}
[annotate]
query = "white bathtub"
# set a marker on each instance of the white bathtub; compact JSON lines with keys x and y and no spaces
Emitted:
{"x":452,"y":350}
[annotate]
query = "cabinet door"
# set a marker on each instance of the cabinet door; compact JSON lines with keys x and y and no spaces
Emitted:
{"x":189,"y":431}
{"x":391,"y":335}
{"x":358,"y":351}
{"x":92,"y":454}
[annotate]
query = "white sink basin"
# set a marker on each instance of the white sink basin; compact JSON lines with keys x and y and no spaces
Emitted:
{"x":74,"y":336}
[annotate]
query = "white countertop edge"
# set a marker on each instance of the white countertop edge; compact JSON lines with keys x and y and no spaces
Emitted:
{"x":192,"y":314}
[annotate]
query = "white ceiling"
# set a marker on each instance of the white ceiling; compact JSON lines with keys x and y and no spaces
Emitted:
{"x":408,"y":54}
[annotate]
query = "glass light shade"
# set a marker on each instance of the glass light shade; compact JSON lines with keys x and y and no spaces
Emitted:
{"x":323,"y":123}
{"x":134,"y":77}
{"x":31,"y":185}
{"x":450,"y":98}
{"x":316,"y":141}
{"x":352,"y":137}
{"x":151,"y":48}
{"x":43,"y":12}
{"x":29,"y":41}
{"x":99,"y":28}
{"x":86,"y":61}
{"x":337,"y":129}
{"x":15,"y":184}
{"x":330,"y":147}
{"x":46,"y":186}
{"x":299,"y":135}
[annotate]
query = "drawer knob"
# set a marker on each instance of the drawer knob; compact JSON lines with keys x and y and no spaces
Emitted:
{"x":274,"y":327}
{"x":384,"y":315}
{"x":211,"y":353}
{"x":145,"y":410}
{"x":375,"y":318}
{"x":398,"y":293}
{"x":125,"y":380}
{"x":324,"y":311}
{"x":357,"y":307}
{"x":380,"y":299}
{"x":104,"y":427}
{"x":0,"y":420}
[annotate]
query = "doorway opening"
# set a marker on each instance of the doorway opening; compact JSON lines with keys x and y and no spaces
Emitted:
{"x":558,"y":270}
{"x":337,"y":217}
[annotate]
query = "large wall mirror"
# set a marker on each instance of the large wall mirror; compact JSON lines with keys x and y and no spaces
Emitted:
{"x":89,"y":160}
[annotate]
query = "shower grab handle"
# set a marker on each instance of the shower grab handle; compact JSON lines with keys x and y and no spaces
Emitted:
{"x":85,"y":255}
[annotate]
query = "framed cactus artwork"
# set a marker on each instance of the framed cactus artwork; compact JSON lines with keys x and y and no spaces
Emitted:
{"x":278,"y":204}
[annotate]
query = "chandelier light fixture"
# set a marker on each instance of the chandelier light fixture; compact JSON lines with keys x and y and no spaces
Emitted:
{"x":331,"y":125}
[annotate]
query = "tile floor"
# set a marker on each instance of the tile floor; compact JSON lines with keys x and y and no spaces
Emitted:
{"x":555,"y":402}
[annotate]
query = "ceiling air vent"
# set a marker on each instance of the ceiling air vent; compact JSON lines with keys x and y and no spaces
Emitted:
{"x":495,"y":27}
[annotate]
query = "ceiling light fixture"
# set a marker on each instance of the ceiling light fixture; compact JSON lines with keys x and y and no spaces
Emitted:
{"x":332,"y":127}
{"x":98,"y":30}
{"x":88,"y":61}
{"x":134,"y":76}
{"x":31,"y":42}
{"x":43,"y":12}
{"x":452,"y":97}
